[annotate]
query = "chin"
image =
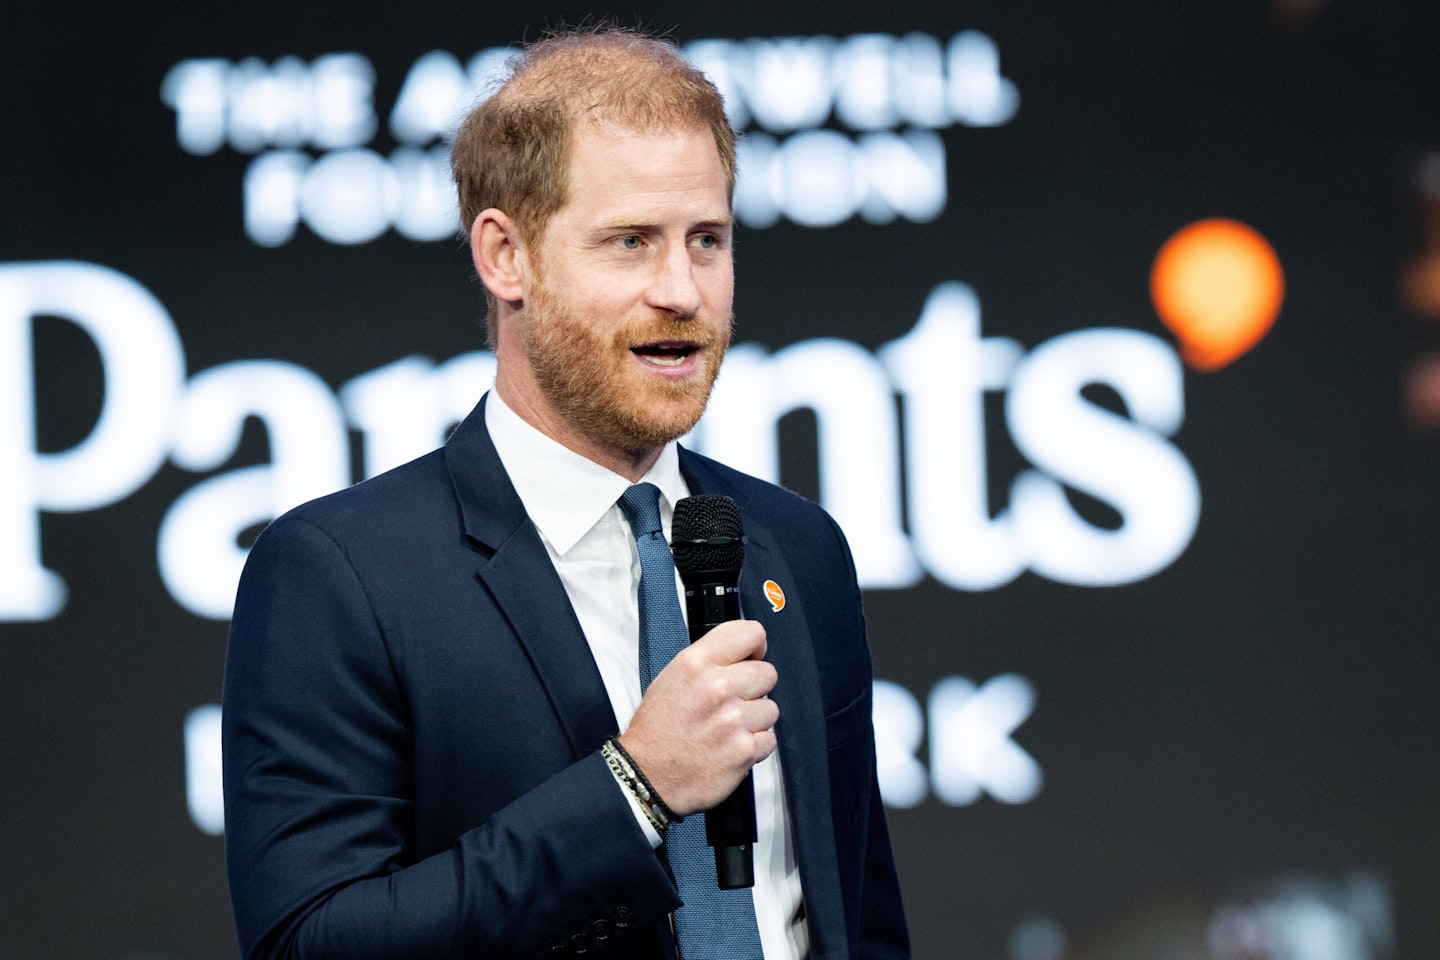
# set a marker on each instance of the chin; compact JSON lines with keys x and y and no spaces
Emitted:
{"x":641,"y":426}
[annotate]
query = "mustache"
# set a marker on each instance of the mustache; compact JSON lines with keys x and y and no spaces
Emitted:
{"x":666,"y":328}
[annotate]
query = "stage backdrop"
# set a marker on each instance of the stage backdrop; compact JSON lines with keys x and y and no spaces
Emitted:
{"x":1106,"y":331}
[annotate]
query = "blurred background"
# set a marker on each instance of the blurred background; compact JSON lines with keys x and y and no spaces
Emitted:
{"x":1108,"y":331}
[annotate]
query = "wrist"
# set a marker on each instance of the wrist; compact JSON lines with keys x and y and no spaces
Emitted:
{"x":633,"y":779}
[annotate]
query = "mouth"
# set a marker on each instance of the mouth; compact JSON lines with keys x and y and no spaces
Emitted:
{"x":671,"y":353}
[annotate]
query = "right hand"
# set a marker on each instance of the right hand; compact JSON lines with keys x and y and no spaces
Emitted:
{"x":706,"y":719}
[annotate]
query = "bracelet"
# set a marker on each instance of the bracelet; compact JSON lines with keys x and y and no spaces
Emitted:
{"x":666,"y":814}
{"x":628,"y":772}
{"x":626,"y":776}
{"x":612,"y":759}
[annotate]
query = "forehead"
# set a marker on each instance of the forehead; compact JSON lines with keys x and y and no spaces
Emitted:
{"x":617,"y":171}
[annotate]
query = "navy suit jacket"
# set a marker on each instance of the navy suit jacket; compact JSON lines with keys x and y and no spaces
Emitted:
{"x":412,"y":720}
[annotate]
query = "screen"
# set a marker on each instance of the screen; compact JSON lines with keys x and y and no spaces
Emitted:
{"x":1106,"y":332}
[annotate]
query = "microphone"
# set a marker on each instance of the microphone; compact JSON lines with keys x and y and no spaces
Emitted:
{"x":708,"y":541}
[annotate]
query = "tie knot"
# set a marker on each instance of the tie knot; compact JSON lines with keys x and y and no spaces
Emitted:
{"x":641,"y":506}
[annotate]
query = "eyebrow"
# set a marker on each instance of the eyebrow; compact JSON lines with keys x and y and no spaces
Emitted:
{"x":725,"y":222}
{"x":721,"y":223}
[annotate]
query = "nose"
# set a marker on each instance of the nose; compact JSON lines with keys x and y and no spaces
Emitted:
{"x":673,"y":286}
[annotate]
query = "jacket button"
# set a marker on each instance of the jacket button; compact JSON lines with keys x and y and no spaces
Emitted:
{"x":578,"y":944}
{"x":622,"y":917}
{"x":600,"y":930}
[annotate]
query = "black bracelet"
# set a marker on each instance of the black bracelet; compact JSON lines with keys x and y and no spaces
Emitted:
{"x":670,"y":816}
{"x":626,"y":776}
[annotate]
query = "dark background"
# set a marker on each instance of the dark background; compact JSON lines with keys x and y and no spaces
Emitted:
{"x":1262,"y":709}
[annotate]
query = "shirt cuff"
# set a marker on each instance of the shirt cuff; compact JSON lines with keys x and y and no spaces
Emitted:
{"x":651,"y":833}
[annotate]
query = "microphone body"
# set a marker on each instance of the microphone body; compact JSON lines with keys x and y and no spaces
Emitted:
{"x":708,"y":541}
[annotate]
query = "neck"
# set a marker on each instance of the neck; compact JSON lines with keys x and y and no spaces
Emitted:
{"x":630,"y":464}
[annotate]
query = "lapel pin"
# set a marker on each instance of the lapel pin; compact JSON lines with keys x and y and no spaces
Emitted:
{"x":775,"y":595}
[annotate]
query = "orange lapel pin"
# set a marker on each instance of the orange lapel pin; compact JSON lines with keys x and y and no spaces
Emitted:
{"x":775,"y":595}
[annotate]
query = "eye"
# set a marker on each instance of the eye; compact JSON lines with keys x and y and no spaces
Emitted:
{"x":706,"y":241}
{"x":631,"y":242}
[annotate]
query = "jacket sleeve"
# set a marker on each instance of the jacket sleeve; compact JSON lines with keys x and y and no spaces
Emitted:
{"x":881,"y":932}
{"x":318,"y":753}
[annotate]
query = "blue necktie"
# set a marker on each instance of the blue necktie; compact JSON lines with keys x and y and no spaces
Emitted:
{"x":713,"y":924}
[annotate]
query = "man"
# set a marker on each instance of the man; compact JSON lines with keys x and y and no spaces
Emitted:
{"x":436,"y":742}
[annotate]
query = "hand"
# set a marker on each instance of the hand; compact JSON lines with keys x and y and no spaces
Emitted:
{"x":706,"y":720}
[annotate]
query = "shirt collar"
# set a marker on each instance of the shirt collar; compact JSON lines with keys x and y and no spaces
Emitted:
{"x":564,"y":493}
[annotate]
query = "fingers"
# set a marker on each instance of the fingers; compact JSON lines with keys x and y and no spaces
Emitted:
{"x":758,"y":720}
{"x":733,"y":641}
{"x":736,"y":649}
{"x":765,"y":744}
{"x":707,"y":719}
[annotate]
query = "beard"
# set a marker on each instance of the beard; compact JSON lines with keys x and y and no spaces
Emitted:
{"x":588,"y":374}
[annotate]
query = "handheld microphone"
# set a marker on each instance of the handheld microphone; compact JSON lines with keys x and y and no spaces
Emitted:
{"x":708,"y":541}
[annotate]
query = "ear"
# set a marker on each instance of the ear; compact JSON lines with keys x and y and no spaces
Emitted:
{"x":499,"y":254}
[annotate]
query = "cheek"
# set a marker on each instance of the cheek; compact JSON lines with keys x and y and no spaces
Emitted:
{"x":606,"y":298}
{"x":719,"y":290}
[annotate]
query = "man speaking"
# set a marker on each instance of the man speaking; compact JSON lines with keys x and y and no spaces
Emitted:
{"x":451,"y":725}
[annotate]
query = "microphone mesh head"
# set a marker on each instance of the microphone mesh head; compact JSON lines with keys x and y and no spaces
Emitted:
{"x":707,"y":534}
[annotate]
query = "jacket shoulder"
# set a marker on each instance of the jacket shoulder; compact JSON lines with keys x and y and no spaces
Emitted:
{"x":414,"y":501}
{"x":769,"y":503}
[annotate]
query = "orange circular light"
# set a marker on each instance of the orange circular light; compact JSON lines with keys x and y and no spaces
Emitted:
{"x":1217,"y":285}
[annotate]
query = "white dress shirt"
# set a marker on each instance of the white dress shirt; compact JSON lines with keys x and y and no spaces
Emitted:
{"x":572,"y":502}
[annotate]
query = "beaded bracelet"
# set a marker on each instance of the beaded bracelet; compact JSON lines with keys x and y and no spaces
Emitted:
{"x":619,"y":769}
{"x":629,"y":773}
{"x":624,"y":773}
{"x":666,"y":814}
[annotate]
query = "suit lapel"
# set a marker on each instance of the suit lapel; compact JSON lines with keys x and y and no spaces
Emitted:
{"x":524,"y":585}
{"x":804,"y":750}
{"x":514,"y":568}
